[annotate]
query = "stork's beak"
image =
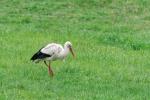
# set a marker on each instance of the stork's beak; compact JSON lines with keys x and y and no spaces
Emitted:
{"x":72,"y":52}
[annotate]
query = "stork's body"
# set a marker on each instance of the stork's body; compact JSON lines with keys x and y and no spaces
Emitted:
{"x":51,"y":52}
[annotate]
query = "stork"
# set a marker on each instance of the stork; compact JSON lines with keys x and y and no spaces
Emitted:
{"x":52,"y":52}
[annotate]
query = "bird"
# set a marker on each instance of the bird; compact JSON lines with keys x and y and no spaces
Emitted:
{"x":52,"y":52}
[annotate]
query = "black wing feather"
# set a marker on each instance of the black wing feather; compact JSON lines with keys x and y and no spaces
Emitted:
{"x":39,"y":55}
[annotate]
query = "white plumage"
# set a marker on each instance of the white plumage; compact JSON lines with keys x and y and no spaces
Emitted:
{"x":54,"y":50}
{"x":51,"y":52}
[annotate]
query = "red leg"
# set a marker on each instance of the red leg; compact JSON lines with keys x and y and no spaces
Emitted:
{"x":50,"y":70}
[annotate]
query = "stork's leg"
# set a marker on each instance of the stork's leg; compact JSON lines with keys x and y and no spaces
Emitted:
{"x":50,"y":70}
{"x":45,"y":63}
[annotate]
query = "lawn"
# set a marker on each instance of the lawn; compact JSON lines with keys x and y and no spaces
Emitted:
{"x":111,"y":39}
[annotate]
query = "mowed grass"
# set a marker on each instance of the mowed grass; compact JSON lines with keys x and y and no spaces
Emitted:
{"x":111,"y":39}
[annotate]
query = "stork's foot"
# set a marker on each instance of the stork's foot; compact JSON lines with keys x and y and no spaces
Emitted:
{"x":51,"y":74}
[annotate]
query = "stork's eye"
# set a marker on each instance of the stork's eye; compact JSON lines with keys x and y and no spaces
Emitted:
{"x":69,"y":46}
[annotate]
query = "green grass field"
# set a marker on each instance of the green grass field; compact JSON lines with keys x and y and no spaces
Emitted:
{"x":111,"y":39}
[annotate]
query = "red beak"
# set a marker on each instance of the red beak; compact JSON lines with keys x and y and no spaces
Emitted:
{"x":71,"y":50}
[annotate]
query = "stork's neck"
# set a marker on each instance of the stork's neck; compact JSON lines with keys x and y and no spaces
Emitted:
{"x":65,"y":51}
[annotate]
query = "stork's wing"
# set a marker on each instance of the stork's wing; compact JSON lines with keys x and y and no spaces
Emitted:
{"x":39,"y":55}
{"x":52,"y":49}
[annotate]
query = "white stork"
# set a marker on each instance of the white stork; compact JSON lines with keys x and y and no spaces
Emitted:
{"x":52,"y":52}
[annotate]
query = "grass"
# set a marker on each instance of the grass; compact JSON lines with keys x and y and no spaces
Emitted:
{"x":110,"y":38}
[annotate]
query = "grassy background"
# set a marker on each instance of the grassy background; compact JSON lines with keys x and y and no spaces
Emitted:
{"x":111,"y":39}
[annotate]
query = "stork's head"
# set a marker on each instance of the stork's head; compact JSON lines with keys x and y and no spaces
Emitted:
{"x":69,"y":46}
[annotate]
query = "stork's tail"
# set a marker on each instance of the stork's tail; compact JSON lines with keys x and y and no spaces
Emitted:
{"x":35,"y":56}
